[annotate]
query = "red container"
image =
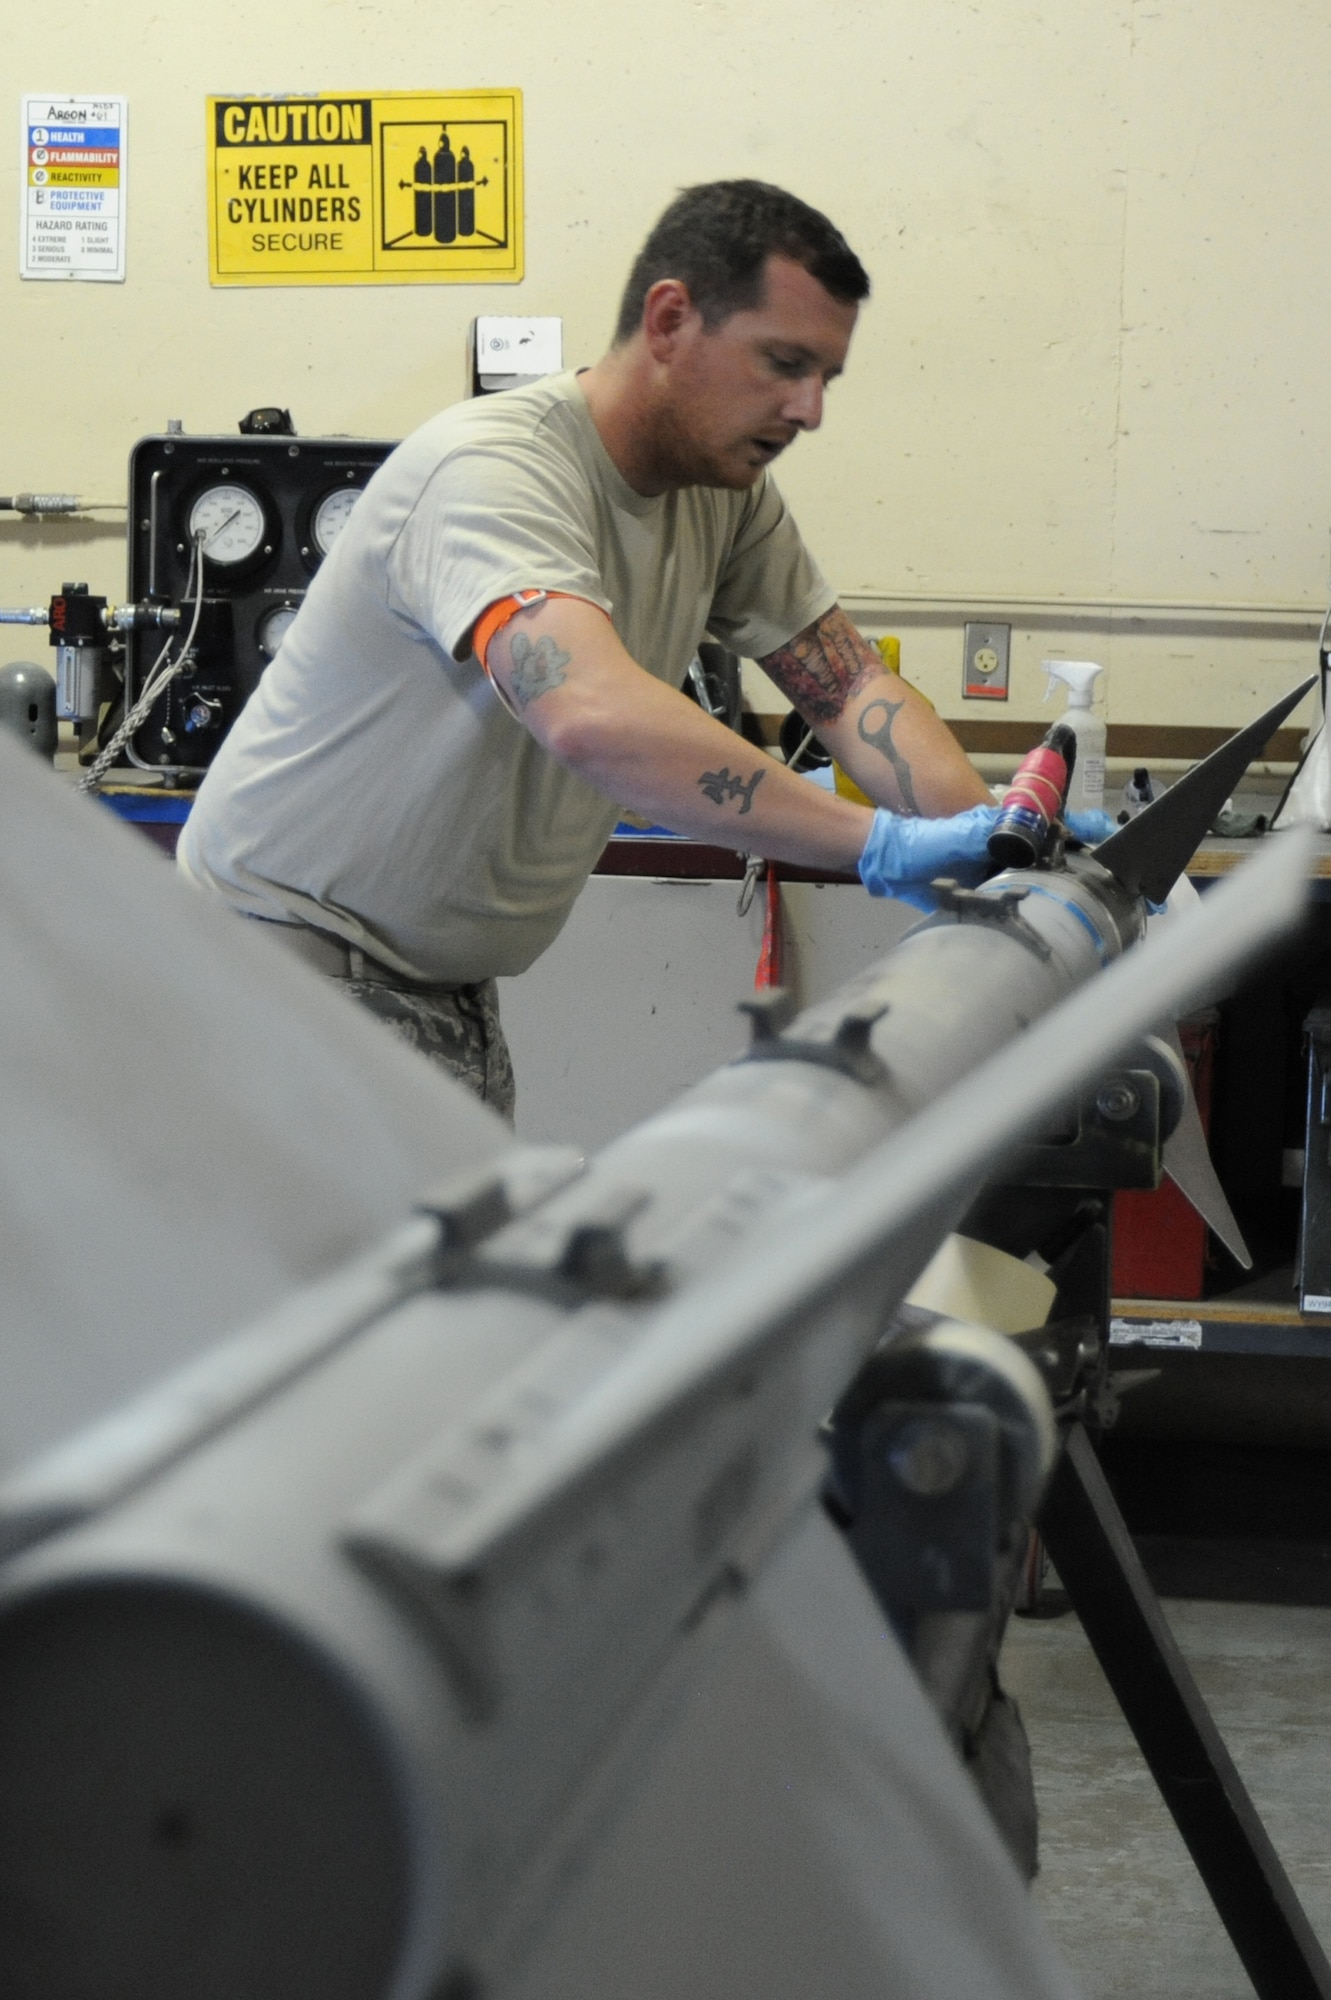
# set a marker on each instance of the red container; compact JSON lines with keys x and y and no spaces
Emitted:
{"x":1159,"y":1238}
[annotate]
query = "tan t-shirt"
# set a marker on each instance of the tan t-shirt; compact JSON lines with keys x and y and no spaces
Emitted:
{"x":374,"y":785}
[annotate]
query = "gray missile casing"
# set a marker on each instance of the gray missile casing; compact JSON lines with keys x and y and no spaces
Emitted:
{"x":294,"y":1512}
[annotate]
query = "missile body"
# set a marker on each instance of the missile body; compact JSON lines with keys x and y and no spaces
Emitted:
{"x":307,"y":1657}
{"x":268,"y":1569}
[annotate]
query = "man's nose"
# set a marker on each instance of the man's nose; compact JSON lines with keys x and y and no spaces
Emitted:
{"x":804,"y":404}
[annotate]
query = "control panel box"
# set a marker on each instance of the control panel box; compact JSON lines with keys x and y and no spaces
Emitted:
{"x":256,"y":515}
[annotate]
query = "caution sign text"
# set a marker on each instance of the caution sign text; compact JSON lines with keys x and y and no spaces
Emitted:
{"x":396,"y":188}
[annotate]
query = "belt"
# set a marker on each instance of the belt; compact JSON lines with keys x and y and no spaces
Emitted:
{"x":336,"y":960}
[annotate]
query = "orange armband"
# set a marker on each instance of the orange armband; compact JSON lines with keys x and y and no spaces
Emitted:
{"x":492,"y":621}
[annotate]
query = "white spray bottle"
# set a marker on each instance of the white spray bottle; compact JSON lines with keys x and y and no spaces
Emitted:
{"x":1088,"y":775}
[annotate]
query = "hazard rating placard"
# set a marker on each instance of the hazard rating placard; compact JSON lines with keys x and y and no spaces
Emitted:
{"x":394,"y":189}
{"x":72,"y":187}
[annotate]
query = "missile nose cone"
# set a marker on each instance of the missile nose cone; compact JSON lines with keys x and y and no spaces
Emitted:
{"x":1148,"y":855}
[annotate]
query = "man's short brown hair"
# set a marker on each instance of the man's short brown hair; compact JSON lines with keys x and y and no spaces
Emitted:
{"x":716,"y":239}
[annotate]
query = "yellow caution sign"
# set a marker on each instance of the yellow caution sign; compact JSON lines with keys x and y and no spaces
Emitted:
{"x":395,"y":189}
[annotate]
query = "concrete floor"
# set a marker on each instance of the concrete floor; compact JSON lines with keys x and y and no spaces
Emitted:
{"x":1117,"y":1886}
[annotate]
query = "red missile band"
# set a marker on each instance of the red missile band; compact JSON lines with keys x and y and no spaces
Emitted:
{"x":1034,"y":800}
{"x":1039,"y":783}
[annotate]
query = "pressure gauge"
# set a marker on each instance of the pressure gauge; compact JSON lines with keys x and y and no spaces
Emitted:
{"x":331,"y":515}
{"x":273,"y":628}
{"x":228,"y":521}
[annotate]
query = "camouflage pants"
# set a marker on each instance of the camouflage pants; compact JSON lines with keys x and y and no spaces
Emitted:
{"x":458,"y":1029}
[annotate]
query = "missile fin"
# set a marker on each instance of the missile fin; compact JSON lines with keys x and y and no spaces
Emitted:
{"x":1150,"y":853}
{"x":1188,"y":1163}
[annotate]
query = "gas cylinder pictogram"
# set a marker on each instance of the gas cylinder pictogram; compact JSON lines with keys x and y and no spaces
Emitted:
{"x":424,"y":179}
{"x":445,"y":192}
{"x":458,"y":187}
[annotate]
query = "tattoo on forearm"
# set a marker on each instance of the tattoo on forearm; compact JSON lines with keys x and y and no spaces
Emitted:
{"x":875,"y":728}
{"x":535,"y":669}
{"x":822,"y":667}
{"x":720,"y":786}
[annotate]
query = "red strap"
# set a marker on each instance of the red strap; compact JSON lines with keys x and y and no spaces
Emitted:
{"x":769,"y":958}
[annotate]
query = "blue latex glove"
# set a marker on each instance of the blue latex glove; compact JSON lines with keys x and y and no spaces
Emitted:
{"x":1091,"y":826}
{"x":902,"y":856}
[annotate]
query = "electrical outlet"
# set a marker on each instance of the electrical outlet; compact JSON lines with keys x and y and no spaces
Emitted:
{"x":985,"y":663}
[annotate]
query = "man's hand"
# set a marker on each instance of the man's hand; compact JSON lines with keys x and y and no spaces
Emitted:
{"x":1090,"y":826}
{"x":878,"y":729}
{"x":903,"y":856}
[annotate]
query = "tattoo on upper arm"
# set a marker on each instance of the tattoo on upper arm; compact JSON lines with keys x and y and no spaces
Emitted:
{"x":822,"y":667}
{"x":720,"y":786}
{"x":875,"y":728}
{"x":535,"y":669}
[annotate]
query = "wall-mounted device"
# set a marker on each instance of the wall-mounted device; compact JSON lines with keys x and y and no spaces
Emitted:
{"x":256,"y":514}
{"x":510,"y":349}
{"x":985,"y":664}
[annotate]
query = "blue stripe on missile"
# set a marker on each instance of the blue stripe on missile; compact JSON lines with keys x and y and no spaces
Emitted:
{"x":1075,"y":910}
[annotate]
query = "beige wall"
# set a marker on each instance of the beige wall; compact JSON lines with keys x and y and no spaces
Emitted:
{"x":1094,"y":368}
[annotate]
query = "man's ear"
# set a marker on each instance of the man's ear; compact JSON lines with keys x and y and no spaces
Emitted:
{"x":667,"y":312}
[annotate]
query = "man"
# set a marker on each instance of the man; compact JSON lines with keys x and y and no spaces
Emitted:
{"x":487,"y":665}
